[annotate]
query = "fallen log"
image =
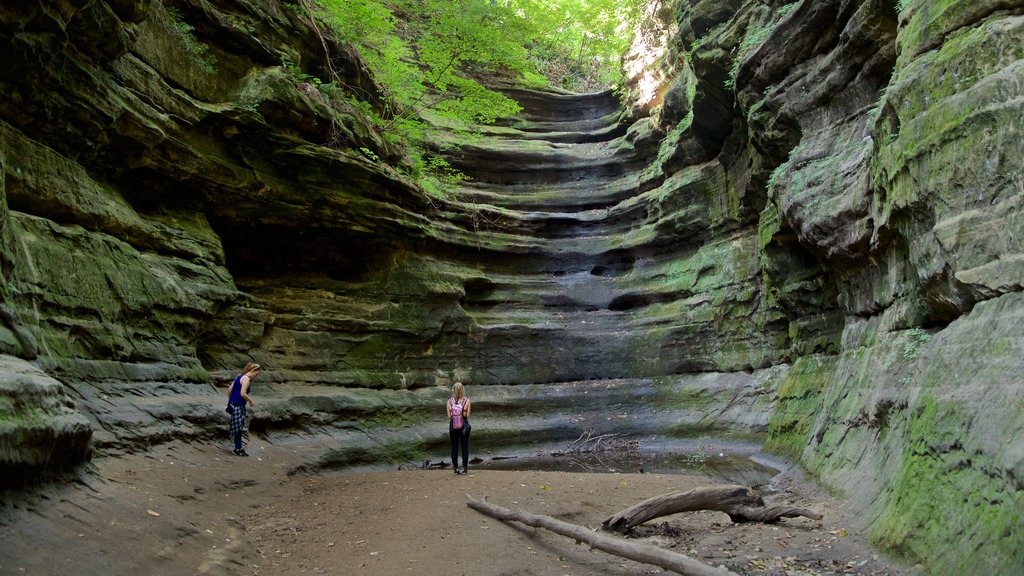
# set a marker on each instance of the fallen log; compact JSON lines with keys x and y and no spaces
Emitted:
{"x":645,"y":553}
{"x":742,"y":504}
{"x":770,"y":515}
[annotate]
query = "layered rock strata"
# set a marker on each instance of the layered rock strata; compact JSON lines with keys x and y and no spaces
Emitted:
{"x":804,"y":221}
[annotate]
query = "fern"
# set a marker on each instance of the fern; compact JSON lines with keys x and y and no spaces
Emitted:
{"x":197,"y":51}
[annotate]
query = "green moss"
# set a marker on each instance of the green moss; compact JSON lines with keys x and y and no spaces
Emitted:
{"x":386,"y":417}
{"x":769,"y":224}
{"x":695,"y":398}
{"x":6,"y":408}
{"x":711,"y":268}
{"x":799,"y":400}
{"x":926,"y":23}
{"x":723,"y":202}
{"x":941,"y":105}
{"x":755,"y":36}
{"x":816,"y":184}
{"x":21,"y":416}
{"x":951,"y":507}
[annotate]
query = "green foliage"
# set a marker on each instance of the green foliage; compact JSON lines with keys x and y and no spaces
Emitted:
{"x":424,"y":61}
{"x":577,"y":44}
{"x":298,"y":74}
{"x":711,"y":34}
{"x":242,"y":25}
{"x":428,"y":55}
{"x":444,"y":171}
{"x":369,"y":154}
{"x":197,"y":51}
{"x":917,"y":339}
{"x":780,"y":172}
{"x":428,"y":68}
{"x":416,"y":46}
{"x":476,"y":103}
{"x":439,"y":175}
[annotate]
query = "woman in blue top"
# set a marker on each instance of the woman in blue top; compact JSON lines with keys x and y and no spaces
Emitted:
{"x":238,"y":397}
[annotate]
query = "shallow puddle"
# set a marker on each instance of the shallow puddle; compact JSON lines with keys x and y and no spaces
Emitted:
{"x":724,"y":460}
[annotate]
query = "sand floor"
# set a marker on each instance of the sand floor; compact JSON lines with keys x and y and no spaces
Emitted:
{"x":197,"y":509}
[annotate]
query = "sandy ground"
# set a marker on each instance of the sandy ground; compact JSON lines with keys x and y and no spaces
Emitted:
{"x":197,"y":509}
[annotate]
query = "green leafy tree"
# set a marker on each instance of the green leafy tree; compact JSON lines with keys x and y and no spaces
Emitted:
{"x":578,"y":44}
{"x":429,"y":54}
{"x":427,"y":68}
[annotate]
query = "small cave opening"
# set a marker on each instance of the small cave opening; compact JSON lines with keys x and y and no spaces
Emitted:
{"x":479,"y":293}
{"x":629,"y":302}
{"x":274,"y":251}
{"x":944,"y":299}
{"x":149,"y":191}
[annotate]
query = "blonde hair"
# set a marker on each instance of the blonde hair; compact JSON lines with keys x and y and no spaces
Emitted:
{"x":250,"y":367}
{"x":458,"y":391}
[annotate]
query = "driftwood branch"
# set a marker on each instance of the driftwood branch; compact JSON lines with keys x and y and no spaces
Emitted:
{"x":647,"y":554}
{"x":587,"y":442}
{"x":742,"y":504}
{"x":770,"y":515}
{"x":588,"y":448}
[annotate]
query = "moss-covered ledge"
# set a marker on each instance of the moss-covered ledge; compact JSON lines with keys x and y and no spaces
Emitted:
{"x":39,"y":429}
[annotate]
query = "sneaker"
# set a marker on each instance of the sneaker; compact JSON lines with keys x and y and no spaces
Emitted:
{"x":457,"y":471}
{"x":241,"y":452}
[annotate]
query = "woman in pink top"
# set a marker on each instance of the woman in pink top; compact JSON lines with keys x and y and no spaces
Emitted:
{"x":458,"y":408}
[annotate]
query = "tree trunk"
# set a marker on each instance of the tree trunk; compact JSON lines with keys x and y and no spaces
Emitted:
{"x":769,"y":515}
{"x":647,"y":554}
{"x":742,"y":504}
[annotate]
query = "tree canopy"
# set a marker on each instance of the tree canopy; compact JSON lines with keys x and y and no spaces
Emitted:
{"x":420,"y":46}
{"x":429,"y":54}
{"x":578,"y":44}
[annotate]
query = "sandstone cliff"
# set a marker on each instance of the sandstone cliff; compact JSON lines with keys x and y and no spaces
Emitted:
{"x":802,"y":225}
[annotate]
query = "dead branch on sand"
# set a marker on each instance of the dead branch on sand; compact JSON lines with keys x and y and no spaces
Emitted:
{"x":647,"y":554}
{"x":426,"y":465}
{"x":742,"y":504}
{"x":588,"y":443}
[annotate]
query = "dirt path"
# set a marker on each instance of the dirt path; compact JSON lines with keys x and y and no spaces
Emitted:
{"x":200,"y":510}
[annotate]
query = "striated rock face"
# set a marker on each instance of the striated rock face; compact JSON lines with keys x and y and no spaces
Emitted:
{"x":902,"y":186}
{"x":802,"y":223}
{"x":39,"y":429}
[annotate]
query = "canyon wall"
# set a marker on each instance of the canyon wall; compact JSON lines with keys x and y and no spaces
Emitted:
{"x":801,"y":223}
